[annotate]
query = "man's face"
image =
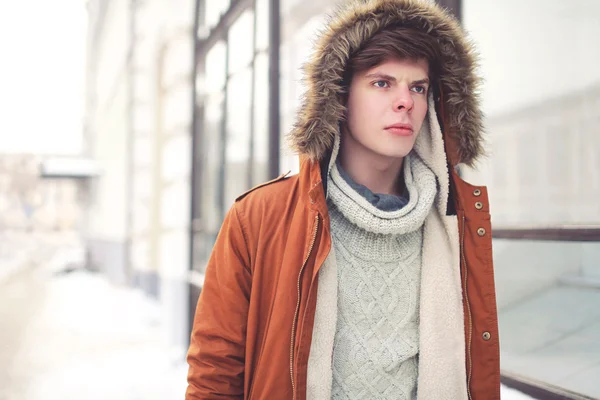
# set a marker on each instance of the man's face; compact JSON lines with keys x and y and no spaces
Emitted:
{"x":387,"y":105}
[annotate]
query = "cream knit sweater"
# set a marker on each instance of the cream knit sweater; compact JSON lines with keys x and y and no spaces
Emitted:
{"x":378,"y":256}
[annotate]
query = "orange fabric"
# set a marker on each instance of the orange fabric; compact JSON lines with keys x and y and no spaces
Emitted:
{"x":478,"y":276}
{"x":241,"y":339}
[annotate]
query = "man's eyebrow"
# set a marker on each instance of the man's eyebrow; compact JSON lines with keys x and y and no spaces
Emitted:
{"x":392,"y":79}
{"x":381,"y":76}
{"x":421,"y":82}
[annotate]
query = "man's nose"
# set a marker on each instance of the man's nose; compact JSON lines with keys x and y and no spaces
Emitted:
{"x":403,"y":100}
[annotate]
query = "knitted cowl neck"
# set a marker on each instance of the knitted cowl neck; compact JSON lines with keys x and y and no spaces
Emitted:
{"x":421,"y":186}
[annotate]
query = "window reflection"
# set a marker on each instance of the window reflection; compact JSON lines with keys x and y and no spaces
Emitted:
{"x":214,"y":9}
{"x":541,"y":94}
{"x":262,"y":24}
{"x":294,"y":52}
{"x":261,"y":119}
{"x":216,"y":73}
{"x":241,"y":42}
{"x":210,"y":196}
{"x":239,"y":92}
{"x":210,"y":147}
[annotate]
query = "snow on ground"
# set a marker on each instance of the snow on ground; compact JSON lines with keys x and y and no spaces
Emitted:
{"x":91,"y":340}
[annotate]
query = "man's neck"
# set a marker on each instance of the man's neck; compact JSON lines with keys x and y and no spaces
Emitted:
{"x":379,"y":174}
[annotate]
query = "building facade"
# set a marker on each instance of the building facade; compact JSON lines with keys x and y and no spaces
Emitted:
{"x":137,"y":128}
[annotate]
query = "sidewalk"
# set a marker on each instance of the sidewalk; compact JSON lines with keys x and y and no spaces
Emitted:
{"x":75,"y":336}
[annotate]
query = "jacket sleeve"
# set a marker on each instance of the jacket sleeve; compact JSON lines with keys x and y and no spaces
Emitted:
{"x":217,"y":346}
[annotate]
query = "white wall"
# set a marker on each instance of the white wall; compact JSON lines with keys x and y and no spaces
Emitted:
{"x":107,"y":211}
{"x":107,"y":219}
{"x":148,"y":27}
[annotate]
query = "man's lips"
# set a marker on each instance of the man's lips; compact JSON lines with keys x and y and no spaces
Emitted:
{"x":400,"y":129}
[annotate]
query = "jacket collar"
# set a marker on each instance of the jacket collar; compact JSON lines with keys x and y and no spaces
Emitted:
{"x":313,"y":186}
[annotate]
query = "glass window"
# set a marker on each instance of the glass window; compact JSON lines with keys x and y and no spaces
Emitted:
{"x":215,"y":71}
{"x":288,"y":66}
{"x":172,"y":214}
{"x":294,"y":53}
{"x":241,"y":42}
{"x":175,"y":158}
{"x":541,"y":94}
{"x":214,"y":9}
{"x":544,"y":91}
{"x":199,"y":254}
{"x":211,"y":183}
{"x":288,"y":5}
{"x":286,"y":71}
{"x":260,"y":160}
{"x":173,"y":248}
{"x":262,"y":24}
{"x":176,"y":113}
{"x":239,"y":92}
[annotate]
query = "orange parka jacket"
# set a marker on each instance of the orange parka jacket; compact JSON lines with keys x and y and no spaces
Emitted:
{"x":252,"y":332}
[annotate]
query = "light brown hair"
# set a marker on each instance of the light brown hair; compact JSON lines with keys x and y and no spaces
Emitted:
{"x":397,"y":43}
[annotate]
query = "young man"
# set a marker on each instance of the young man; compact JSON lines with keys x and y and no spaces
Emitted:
{"x":369,"y":274}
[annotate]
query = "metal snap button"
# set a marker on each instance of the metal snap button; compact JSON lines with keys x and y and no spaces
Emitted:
{"x":477,"y":192}
{"x":481,"y":232}
{"x":487,"y":336}
{"x":479,"y":205}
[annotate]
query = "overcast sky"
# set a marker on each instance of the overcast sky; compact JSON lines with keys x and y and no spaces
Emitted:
{"x":42,"y":46}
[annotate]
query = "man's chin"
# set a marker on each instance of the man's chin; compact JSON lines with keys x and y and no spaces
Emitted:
{"x":395,"y":154}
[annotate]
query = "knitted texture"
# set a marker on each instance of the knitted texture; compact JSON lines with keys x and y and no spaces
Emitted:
{"x":421,"y":184}
{"x":378,"y":257}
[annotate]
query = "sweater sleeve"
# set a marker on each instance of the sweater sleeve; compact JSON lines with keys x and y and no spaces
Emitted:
{"x":217,"y":348}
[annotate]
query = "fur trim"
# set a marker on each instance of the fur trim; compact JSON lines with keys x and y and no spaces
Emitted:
{"x":321,"y":111}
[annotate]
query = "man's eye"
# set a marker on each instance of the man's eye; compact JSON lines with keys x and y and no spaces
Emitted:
{"x":420,"y":89}
{"x":381,"y":84}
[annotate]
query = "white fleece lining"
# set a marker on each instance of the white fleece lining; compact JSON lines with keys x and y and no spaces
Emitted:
{"x":442,"y":371}
{"x":319,"y":378}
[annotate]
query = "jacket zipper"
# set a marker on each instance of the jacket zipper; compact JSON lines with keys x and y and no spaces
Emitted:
{"x":464,"y":262}
{"x":312,"y":243}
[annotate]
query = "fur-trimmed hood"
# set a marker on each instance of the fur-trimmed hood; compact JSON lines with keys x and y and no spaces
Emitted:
{"x":348,"y":31}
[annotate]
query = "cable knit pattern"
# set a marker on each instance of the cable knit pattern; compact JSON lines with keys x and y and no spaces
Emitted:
{"x":378,"y":257}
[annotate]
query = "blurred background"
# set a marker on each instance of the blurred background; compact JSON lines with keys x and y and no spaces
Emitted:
{"x":128,"y":127}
